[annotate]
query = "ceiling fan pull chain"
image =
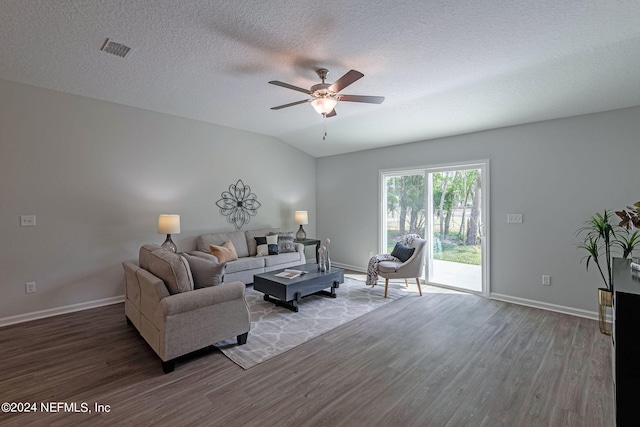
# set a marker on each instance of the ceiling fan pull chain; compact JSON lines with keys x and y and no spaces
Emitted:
{"x":324,"y":127}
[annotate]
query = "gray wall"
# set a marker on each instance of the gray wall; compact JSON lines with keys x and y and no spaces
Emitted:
{"x":557,"y":173}
{"x":97,"y":175}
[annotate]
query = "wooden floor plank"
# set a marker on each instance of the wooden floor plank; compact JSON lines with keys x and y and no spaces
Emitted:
{"x":444,"y":359}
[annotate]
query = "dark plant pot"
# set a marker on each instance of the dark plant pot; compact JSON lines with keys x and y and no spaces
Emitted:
{"x":604,"y":301}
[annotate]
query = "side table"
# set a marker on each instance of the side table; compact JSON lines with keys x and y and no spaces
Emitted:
{"x":310,"y":242}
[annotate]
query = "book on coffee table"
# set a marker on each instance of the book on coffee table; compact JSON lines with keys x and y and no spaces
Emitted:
{"x":290,"y":274}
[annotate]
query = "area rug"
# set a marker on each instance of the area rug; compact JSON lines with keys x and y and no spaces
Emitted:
{"x":275,"y":330}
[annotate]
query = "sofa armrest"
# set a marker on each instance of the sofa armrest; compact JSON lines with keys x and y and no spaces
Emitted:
{"x":199,"y":298}
{"x":300,"y":249}
{"x":152,"y":291}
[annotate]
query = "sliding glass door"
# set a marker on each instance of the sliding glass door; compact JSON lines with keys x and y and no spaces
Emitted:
{"x":404,"y":198}
{"x":448,"y":205}
{"x":456,"y":229}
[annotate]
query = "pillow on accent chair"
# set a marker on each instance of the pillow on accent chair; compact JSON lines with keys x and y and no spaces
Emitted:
{"x":224,"y":253}
{"x":402,"y":252}
{"x":205,"y":272}
{"x":285,"y":242}
{"x":267,"y":245}
{"x":173,"y":269}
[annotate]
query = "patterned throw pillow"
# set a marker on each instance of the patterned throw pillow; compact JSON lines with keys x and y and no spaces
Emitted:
{"x":285,"y":242}
{"x":267,"y":245}
{"x":402,"y":252}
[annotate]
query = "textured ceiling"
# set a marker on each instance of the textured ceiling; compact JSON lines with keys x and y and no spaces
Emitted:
{"x":445,"y":67}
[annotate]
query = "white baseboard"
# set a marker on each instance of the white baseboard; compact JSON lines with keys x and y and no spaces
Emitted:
{"x":6,"y":321}
{"x":349,"y":267}
{"x":547,"y":306}
{"x":516,"y":300}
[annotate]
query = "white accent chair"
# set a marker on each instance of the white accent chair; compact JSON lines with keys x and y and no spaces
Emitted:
{"x":411,"y":268}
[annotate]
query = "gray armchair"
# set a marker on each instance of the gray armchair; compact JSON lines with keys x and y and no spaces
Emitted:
{"x":409,"y":269}
{"x":174,"y":316}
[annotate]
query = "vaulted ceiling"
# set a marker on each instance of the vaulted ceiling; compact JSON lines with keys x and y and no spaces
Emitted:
{"x":445,"y":67}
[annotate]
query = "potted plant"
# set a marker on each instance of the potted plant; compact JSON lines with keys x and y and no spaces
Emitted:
{"x":599,"y":239}
{"x":631,"y":218}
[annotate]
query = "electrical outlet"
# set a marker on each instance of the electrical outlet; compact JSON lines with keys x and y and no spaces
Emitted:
{"x":546,"y":280}
{"x":27,"y":220}
{"x":29,"y":287}
{"x":370,"y":254}
{"x":514,"y":218}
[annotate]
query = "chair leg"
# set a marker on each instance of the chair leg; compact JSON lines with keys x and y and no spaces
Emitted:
{"x":419,"y":288}
{"x":242,"y":339}
{"x":406,"y":282}
{"x":386,"y":287}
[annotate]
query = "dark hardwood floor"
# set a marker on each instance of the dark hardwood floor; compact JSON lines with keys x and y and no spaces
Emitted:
{"x":444,"y":359}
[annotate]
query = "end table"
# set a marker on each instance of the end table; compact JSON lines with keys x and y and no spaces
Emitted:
{"x":310,"y":242}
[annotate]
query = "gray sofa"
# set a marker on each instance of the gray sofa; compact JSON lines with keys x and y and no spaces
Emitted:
{"x":248,"y":263}
{"x":175,"y":315}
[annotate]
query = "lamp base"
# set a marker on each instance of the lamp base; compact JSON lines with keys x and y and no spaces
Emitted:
{"x":168,"y":245}
{"x":301,"y":235}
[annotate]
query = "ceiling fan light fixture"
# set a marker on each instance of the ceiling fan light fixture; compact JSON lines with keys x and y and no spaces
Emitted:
{"x":323,"y":105}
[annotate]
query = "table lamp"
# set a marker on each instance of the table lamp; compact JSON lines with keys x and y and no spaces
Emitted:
{"x":301,"y":217}
{"x":169,"y":224}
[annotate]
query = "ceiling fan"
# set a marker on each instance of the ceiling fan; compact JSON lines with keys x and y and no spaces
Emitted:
{"x":325,"y":96}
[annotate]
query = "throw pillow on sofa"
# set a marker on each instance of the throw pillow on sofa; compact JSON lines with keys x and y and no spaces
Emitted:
{"x":285,"y":242}
{"x":205,"y":272}
{"x":267,"y":245}
{"x":224,"y":253}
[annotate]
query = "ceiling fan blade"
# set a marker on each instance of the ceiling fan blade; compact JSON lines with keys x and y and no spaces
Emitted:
{"x":346,"y":80}
{"x":288,"y":86}
{"x":362,"y":98}
{"x":279,"y":107}
{"x":331,"y":113}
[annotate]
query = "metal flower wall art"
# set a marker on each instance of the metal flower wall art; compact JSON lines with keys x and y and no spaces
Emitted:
{"x":238,"y":204}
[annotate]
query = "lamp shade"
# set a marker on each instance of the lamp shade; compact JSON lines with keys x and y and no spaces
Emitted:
{"x":323,"y":105}
{"x":168,"y":224}
{"x":301,"y":217}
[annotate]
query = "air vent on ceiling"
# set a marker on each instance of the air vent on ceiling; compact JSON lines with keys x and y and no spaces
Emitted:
{"x":116,"y":49}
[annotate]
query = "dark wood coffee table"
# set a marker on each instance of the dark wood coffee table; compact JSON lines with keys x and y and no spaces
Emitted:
{"x":289,"y":292}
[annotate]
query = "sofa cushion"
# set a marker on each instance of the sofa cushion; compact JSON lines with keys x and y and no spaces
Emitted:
{"x":226,"y":252}
{"x":252,"y":234}
{"x":285,"y":242}
{"x":236,"y":237}
{"x":246,"y":263}
{"x":205,"y":273}
{"x":388,"y":266}
{"x":173,"y":269}
{"x":402,"y":252}
{"x":282,"y":259}
{"x":145,"y":252}
{"x":267,"y":245}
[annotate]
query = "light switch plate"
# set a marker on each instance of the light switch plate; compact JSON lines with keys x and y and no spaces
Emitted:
{"x":514,"y":218}
{"x":27,"y":220}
